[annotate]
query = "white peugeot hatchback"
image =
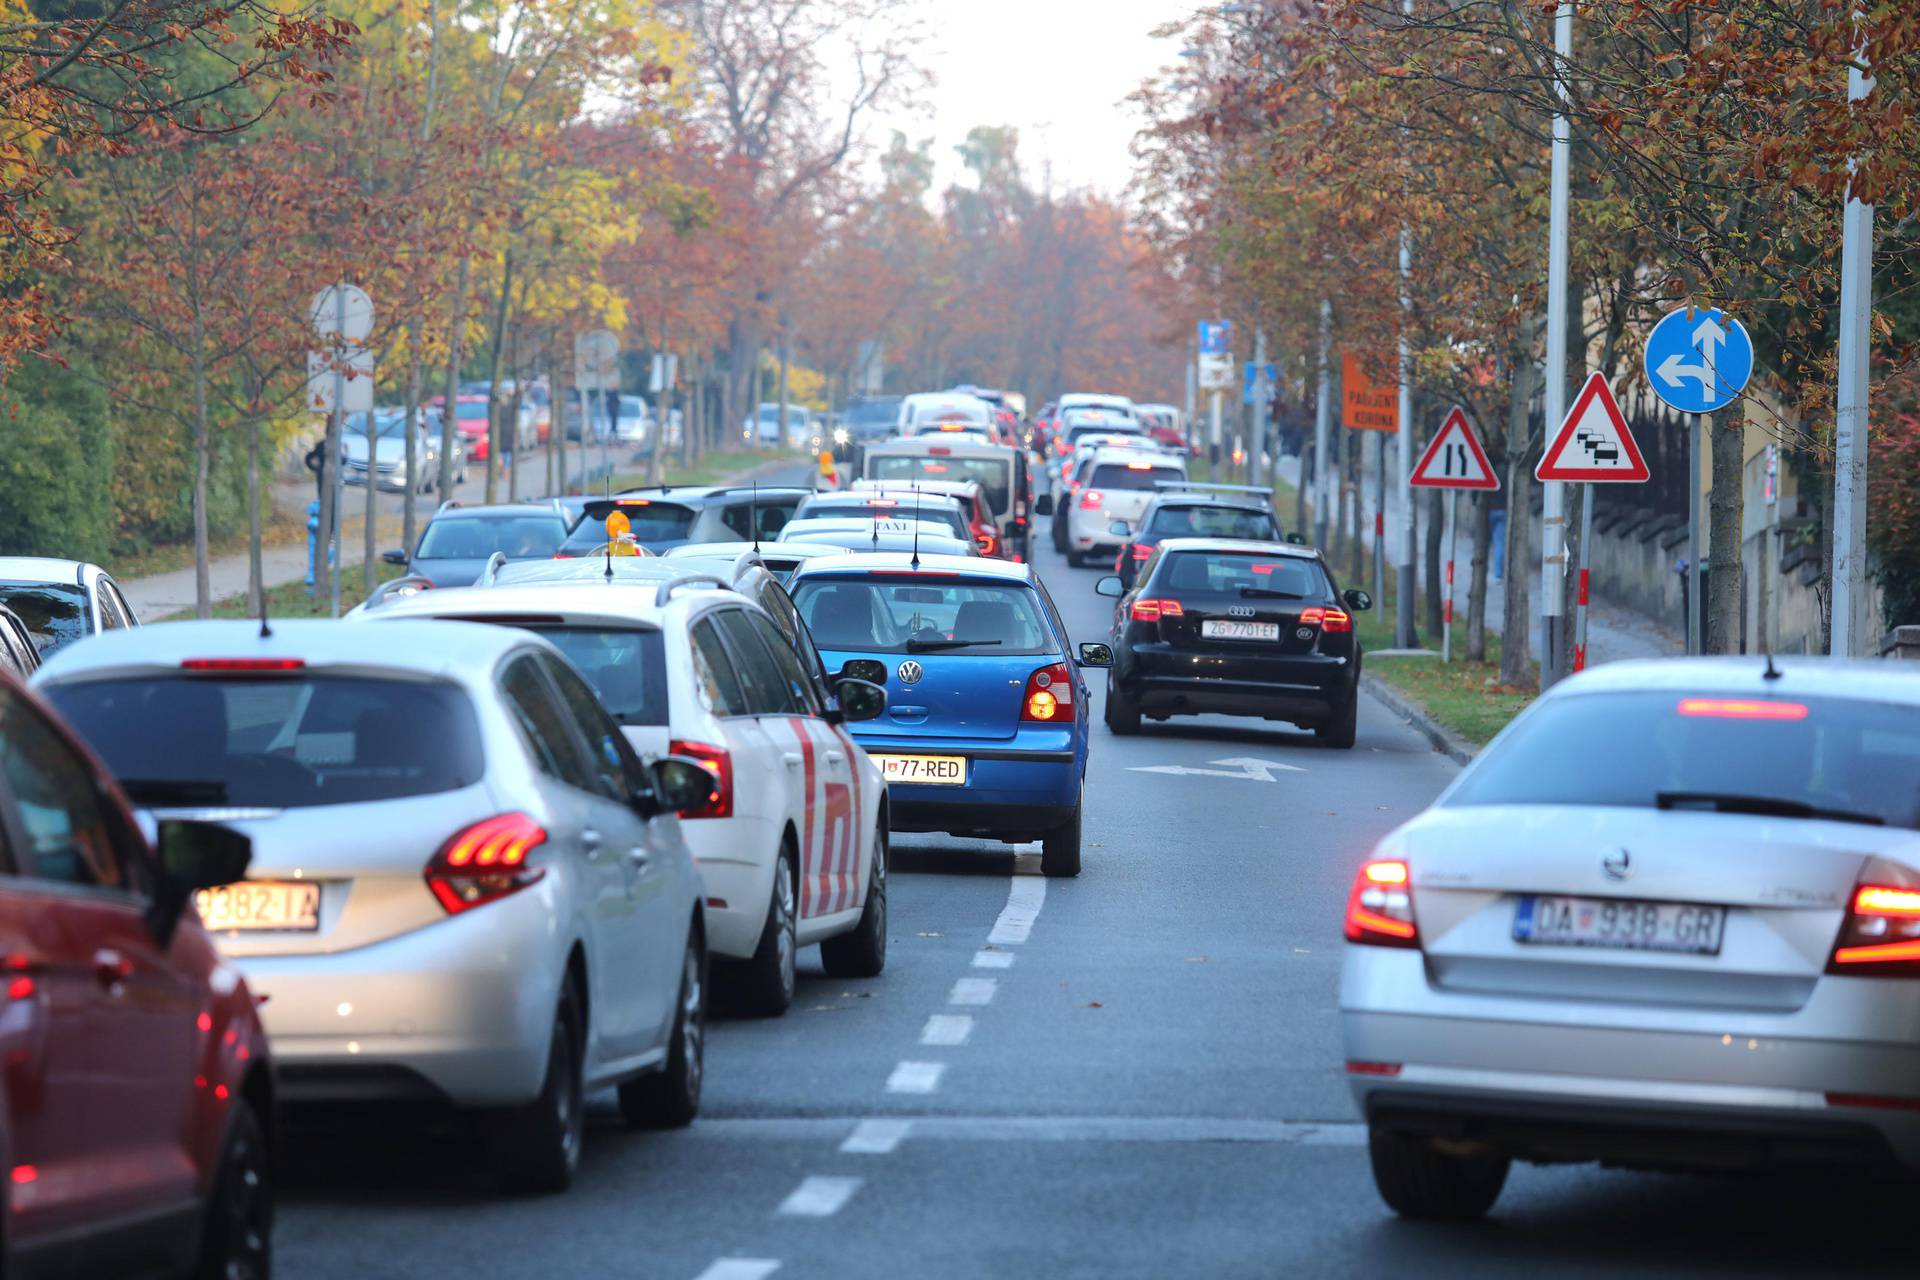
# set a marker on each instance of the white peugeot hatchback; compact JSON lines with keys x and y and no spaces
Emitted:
{"x":792,"y":840}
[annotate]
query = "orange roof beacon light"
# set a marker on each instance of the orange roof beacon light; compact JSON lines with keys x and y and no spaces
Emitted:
{"x":618,"y":526}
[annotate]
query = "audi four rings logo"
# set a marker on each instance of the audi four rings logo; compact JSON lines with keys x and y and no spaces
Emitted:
{"x":1240,"y":611}
{"x":1617,"y":865}
{"x":910,"y":672}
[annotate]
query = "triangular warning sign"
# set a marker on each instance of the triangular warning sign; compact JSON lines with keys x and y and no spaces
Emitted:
{"x":1593,"y":445}
{"x":1454,"y":458}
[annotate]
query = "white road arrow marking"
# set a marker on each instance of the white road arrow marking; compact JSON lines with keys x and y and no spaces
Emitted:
{"x":1243,"y":767}
{"x":1675,"y":370}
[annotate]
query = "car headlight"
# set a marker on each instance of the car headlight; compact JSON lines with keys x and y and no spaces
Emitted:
{"x":840,"y":435}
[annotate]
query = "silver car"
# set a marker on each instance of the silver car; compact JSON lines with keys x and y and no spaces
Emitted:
{"x":1669,"y":918}
{"x":465,"y":888}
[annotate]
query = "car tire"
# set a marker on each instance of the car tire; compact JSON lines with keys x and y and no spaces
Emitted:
{"x":1122,"y":714}
{"x":1060,"y":849}
{"x":1075,"y":560}
{"x":1417,"y":1180}
{"x":1339,"y":732}
{"x":536,"y":1148}
{"x":237,"y":1238}
{"x":862,"y":953}
{"x":670,"y":1097}
{"x":766,"y":985}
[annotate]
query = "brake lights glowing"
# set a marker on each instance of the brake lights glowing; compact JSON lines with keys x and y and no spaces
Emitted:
{"x":1328,"y":620}
{"x":1091,"y":500}
{"x":1380,"y":906}
{"x":716,"y":761}
{"x":485,"y":862}
{"x":243,"y":664}
{"x":1151,"y":610}
{"x":1881,"y":934}
{"x":1742,"y":709}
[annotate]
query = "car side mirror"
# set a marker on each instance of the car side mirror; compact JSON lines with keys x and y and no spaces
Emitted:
{"x":1109,"y":586}
{"x":859,"y":699}
{"x":1043,"y":505}
{"x":193,"y":856}
{"x":871,"y":670}
{"x":1357,"y":600}
{"x":681,"y":783}
{"x":394,"y":555}
{"x":1096,"y":655}
{"x":1120,"y":527}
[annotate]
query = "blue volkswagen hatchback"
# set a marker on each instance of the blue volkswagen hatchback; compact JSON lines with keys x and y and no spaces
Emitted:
{"x":985,"y":732}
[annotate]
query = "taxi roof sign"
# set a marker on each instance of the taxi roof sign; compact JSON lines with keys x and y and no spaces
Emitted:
{"x":1593,"y":444}
{"x":1454,"y":458}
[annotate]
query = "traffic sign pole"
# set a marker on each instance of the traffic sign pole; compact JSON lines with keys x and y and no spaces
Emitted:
{"x":1586,"y":562}
{"x":1849,"y":566}
{"x":1694,"y":636}
{"x":1446,"y":616}
{"x":1324,"y":489}
{"x":1553,"y":518}
{"x":338,"y":445}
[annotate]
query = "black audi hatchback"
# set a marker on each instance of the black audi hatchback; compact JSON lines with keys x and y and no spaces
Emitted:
{"x":1215,"y":626}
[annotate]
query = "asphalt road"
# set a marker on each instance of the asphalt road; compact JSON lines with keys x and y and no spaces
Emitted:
{"x":1135,"y":1073}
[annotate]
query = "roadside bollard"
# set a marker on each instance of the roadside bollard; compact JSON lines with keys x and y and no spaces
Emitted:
{"x":313,"y":540}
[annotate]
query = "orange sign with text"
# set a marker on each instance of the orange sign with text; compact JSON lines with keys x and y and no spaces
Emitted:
{"x":1366,"y":405}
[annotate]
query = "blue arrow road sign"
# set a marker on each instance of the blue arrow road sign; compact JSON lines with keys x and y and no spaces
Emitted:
{"x":1698,"y":363}
{"x":1216,"y":337}
{"x":1250,"y":381}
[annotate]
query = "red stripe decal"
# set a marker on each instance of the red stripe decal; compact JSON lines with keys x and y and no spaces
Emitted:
{"x":859,"y":817}
{"x":808,"y":857}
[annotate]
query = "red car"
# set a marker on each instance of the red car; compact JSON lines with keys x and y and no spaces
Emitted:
{"x":470,"y":420}
{"x":136,"y":1094}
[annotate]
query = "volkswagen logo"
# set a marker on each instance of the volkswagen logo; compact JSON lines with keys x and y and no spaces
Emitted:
{"x":910,"y":672}
{"x":1617,"y":865}
{"x":1239,"y":611}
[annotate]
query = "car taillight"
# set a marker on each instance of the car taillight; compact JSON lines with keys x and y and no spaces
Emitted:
{"x":1049,"y":695}
{"x":1380,"y":908}
{"x":243,"y":664}
{"x":1328,"y":620}
{"x":1091,"y":499}
{"x":1881,"y":935}
{"x":1142,"y":552}
{"x":988,"y":543}
{"x":1154,"y":610}
{"x":716,"y":761}
{"x":485,"y":862}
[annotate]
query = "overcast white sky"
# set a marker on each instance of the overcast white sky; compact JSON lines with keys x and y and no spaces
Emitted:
{"x":1057,"y":70}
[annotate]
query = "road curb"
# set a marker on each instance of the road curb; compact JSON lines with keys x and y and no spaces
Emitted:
{"x":1444,"y":740}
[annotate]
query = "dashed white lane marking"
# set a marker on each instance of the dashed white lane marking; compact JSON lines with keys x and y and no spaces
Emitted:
{"x":947,"y":1029}
{"x":974,"y":991}
{"x":915,"y":1077}
{"x":819,"y":1197}
{"x":740,"y":1269}
{"x":1024,"y":896}
{"x":876,"y":1137}
{"x":993,"y":959}
{"x":1154,"y":1129}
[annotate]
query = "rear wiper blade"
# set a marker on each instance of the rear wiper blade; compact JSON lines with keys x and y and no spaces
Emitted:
{"x":1269,"y":593}
{"x":1766,"y":806}
{"x":923,"y":646}
{"x":174,"y":791}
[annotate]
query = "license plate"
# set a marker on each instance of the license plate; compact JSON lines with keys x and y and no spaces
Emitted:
{"x":1230,"y":629}
{"x":939,"y":771}
{"x":260,"y":904}
{"x":1620,"y":924}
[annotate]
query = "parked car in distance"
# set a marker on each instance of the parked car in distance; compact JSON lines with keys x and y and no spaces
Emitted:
{"x":459,"y":540}
{"x":61,"y":601}
{"x":139,"y":1100}
{"x":390,"y":450}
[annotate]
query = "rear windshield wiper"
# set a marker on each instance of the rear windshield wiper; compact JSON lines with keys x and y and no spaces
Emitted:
{"x":1269,"y":593}
{"x":1767,"y":806}
{"x":174,"y":791}
{"x":923,"y":646}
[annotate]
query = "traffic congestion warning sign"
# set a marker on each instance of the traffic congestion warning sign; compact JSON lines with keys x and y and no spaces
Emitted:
{"x":1454,"y":458}
{"x":1593,"y":445}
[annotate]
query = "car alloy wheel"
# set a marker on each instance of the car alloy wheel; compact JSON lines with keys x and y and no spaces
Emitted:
{"x":239,"y":1233}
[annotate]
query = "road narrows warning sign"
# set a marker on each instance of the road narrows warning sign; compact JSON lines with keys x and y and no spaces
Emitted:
{"x":1593,"y":444}
{"x":1454,"y":458}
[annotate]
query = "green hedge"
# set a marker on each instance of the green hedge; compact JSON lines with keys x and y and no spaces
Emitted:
{"x":56,"y":464}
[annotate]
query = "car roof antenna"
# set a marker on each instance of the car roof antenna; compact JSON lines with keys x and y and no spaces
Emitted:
{"x":266,"y":632}
{"x":753,"y":515}
{"x":915,"y":562}
{"x":1771,"y":673}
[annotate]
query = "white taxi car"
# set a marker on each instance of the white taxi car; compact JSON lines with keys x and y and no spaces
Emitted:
{"x":792,"y":841}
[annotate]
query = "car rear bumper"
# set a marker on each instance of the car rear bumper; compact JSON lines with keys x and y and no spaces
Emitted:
{"x":1165,"y":681}
{"x":1636,"y":1084}
{"x":1012,"y":792}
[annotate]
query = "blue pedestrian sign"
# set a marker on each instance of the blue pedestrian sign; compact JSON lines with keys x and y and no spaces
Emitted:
{"x":1698,"y":363}
{"x":1251,"y":382}
{"x":1216,"y":337}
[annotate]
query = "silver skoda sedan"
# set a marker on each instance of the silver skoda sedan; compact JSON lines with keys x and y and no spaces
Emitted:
{"x":1669,"y":918}
{"x":465,"y":887}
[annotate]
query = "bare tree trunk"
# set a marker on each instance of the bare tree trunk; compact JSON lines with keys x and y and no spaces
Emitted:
{"x":202,"y":465}
{"x":1480,"y":511}
{"x":1356,"y":481}
{"x":556,"y":418}
{"x":1515,"y":644}
{"x":1726,"y":499}
{"x":519,"y":391}
{"x":1301,"y":525}
{"x":449,"y":413}
{"x":557,"y":433}
{"x":494,"y":435}
{"x":407,"y":506}
{"x":323,"y":566}
{"x":368,"y":555}
{"x":1436,"y":580}
{"x":256,"y":586}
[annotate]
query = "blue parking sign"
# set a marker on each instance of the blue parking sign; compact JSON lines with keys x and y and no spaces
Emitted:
{"x":1215,"y":337}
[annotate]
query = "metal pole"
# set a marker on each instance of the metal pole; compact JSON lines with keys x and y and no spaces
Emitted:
{"x":1380,"y":518}
{"x":1694,"y":644}
{"x":1403,"y":522}
{"x":1580,"y":598}
{"x":338,"y":446}
{"x":1256,"y":462}
{"x":1193,"y":358}
{"x":1325,"y":488}
{"x":1213,"y":427}
{"x":1553,"y":518}
{"x":1851,"y":625}
{"x":1446,"y":613}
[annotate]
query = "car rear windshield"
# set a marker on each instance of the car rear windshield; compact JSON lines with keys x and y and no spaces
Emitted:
{"x":470,"y":410}
{"x":993,"y":475}
{"x":55,"y":614}
{"x":864,"y":507}
{"x":1133,"y":475}
{"x":1235,"y":573}
{"x":926,"y":615}
{"x":627,"y":668}
{"x":1213,"y":522}
{"x":520,"y":537}
{"x":654,"y":522}
{"x":1785,"y":755}
{"x":276,"y":743}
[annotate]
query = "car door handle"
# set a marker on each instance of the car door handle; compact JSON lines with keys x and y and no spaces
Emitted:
{"x":639,"y":857}
{"x":792,"y":758}
{"x":836,"y":757}
{"x":590,"y":840}
{"x":110,"y":967}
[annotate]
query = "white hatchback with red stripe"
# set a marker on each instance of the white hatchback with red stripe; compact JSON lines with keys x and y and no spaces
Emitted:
{"x":792,"y":843}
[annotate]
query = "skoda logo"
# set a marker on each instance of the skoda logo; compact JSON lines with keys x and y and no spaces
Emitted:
{"x":1617,"y":865}
{"x":910,"y":672}
{"x":1240,"y":611}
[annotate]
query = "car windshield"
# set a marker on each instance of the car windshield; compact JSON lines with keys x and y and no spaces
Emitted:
{"x":1213,"y":522}
{"x":927,"y":614}
{"x":1230,"y":573}
{"x":868,"y":413}
{"x":472,"y":538}
{"x":1133,"y":475}
{"x":470,"y":410}
{"x":1789,"y":756}
{"x":388,"y":424}
{"x":55,"y":614}
{"x":627,"y":668}
{"x":649,"y":522}
{"x":279,"y":743}
{"x":994,"y":475}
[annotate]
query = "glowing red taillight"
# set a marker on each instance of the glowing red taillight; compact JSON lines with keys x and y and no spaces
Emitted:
{"x":1154,"y":610}
{"x":1380,"y":906}
{"x":1141,"y":552}
{"x":1328,"y":620}
{"x":1881,"y":934}
{"x":485,"y":862}
{"x":1049,"y":695}
{"x":1091,"y":500}
{"x":716,"y":761}
{"x":243,"y":664}
{"x":987,"y":542}
{"x":1742,"y":709}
